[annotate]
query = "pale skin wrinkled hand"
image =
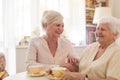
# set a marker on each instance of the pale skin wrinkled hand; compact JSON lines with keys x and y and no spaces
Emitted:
{"x":70,"y":67}
{"x":73,"y":76}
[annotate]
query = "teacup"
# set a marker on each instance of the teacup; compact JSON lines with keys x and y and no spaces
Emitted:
{"x":57,"y":72}
{"x":35,"y":69}
{"x":47,"y":67}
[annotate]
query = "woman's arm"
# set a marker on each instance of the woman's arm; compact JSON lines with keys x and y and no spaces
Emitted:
{"x":71,"y":67}
{"x":73,"y":76}
{"x":90,"y":77}
{"x":31,"y":53}
{"x":79,"y":76}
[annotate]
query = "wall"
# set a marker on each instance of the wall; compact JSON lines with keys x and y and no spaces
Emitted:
{"x":115,"y":6}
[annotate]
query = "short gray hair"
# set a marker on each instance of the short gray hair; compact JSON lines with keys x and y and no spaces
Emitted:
{"x":114,"y":24}
{"x":51,"y":17}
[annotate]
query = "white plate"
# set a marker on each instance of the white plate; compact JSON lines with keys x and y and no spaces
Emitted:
{"x":36,"y":75}
{"x":53,"y":78}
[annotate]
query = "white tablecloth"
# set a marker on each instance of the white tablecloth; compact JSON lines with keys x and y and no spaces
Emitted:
{"x":24,"y":76}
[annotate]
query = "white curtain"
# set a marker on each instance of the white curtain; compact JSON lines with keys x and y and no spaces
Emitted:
{"x":19,"y":17}
{"x":16,"y":23}
{"x":1,"y":26}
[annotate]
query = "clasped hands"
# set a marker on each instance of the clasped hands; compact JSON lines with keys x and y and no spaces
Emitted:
{"x":73,"y":68}
{"x":71,"y":64}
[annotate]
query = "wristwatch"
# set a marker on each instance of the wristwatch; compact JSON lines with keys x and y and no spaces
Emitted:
{"x":86,"y":77}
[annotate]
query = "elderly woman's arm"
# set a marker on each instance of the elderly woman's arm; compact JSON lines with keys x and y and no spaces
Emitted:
{"x":71,"y":67}
{"x":73,"y":76}
{"x":79,"y":76}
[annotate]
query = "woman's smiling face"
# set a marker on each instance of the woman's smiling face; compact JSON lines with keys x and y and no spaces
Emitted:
{"x":55,"y":29}
{"x":103,"y":33}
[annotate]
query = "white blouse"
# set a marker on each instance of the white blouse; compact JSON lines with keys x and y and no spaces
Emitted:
{"x":39,"y":52}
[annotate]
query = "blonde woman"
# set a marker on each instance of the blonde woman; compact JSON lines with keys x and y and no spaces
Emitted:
{"x":51,"y":48}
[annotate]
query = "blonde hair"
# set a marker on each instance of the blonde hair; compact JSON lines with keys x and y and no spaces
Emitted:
{"x":114,"y":24}
{"x":51,"y":17}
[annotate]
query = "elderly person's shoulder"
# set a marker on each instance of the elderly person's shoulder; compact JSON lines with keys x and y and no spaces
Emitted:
{"x":117,"y":45}
{"x":118,"y":41}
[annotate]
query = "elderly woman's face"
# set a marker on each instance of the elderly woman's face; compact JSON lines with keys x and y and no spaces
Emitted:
{"x":104,"y":34}
{"x":55,"y":30}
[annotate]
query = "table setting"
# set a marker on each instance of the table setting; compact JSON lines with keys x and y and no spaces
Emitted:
{"x":39,"y":72}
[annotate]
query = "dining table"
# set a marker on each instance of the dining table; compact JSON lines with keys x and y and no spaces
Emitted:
{"x":25,"y":76}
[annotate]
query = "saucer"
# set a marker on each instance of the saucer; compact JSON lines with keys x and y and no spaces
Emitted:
{"x":53,"y":78}
{"x":36,"y":75}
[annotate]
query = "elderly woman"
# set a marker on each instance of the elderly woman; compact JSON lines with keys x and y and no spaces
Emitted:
{"x":100,"y":60}
{"x":51,"y":48}
{"x":3,"y":72}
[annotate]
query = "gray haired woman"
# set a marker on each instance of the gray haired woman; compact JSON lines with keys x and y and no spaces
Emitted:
{"x":100,"y":60}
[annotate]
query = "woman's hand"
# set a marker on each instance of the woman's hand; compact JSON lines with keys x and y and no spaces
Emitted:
{"x":73,"y":76}
{"x":71,"y":67}
{"x":72,"y":60}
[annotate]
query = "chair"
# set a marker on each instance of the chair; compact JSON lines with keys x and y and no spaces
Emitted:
{"x":3,"y":72}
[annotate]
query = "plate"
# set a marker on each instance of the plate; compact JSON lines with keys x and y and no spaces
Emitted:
{"x":36,"y":75}
{"x":53,"y":78}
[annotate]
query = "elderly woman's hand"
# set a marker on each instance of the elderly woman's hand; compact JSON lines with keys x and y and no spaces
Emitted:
{"x":73,"y":76}
{"x":71,"y":67}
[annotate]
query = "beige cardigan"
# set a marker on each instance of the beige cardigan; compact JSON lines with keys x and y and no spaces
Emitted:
{"x":107,"y":65}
